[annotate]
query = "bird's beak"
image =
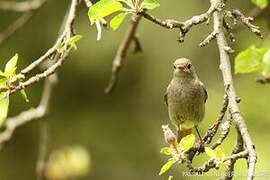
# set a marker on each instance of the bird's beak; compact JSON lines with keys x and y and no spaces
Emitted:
{"x":180,"y":67}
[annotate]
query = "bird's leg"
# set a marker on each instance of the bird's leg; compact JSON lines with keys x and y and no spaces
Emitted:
{"x":201,"y":149}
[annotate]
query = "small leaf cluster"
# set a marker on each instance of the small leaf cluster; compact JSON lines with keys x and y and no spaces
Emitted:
{"x":177,"y":152}
{"x":7,"y":78}
{"x":174,"y":150}
{"x":253,"y":59}
{"x":70,"y":42}
{"x":122,"y":8}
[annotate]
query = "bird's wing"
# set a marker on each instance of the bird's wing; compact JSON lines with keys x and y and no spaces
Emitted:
{"x":205,"y":92}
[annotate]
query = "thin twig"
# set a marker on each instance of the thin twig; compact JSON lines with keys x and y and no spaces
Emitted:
{"x":214,"y":128}
{"x":54,"y":51}
{"x":212,"y":163}
{"x":224,"y":133}
{"x":35,"y":79}
{"x":122,"y":52}
{"x":138,"y":46}
{"x":185,"y":26}
{"x":247,"y":21}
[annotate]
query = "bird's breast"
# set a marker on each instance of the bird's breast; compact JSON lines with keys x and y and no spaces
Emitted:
{"x":185,"y":103}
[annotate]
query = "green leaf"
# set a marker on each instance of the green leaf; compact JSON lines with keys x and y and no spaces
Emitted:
{"x":24,"y":95}
{"x":3,"y":83}
{"x":73,"y":40}
{"x":117,"y":21}
{"x":249,"y":60}
{"x":103,"y":8}
{"x":266,"y":61}
{"x":260,"y":3}
{"x":219,"y":153}
{"x":4,"y":103}
{"x":210,"y":152}
{"x":187,"y":142}
{"x":11,"y":66}
{"x":166,"y":151}
{"x":167,"y":166}
{"x":149,"y":4}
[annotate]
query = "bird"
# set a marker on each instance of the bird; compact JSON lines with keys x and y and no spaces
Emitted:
{"x":185,"y":98}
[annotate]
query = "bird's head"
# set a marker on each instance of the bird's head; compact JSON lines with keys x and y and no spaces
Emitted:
{"x":183,"y":68}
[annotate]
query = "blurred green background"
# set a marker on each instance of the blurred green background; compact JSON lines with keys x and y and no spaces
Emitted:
{"x":123,"y":132}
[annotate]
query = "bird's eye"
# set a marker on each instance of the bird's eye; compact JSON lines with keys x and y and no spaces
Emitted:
{"x":189,"y":66}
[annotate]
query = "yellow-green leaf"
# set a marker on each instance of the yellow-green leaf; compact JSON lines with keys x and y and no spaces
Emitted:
{"x":260,"y":3}
{"x":117,"y":21}
{"x":4,"y":103}
{"x":11,"y":65}
{"x":210,"y":152}
{"x":249,"y":60}
{"x":73,"y":40}
{"x":103,"y":8}
{"x":187,"y":142}
{"x":3,"y":83}
{"x":167,"y":166}
{"x":149,"y":4}
{"x":170,"y":178}
{"x":166,"y":150}
{"x":219,"y":153}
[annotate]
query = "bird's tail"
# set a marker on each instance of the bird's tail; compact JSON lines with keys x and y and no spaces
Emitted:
{"x":182,"y":133}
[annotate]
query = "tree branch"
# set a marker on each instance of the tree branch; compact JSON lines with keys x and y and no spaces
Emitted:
{"x":122,"y":52}
{"x":225,"y":67}
{"x":185,"y":26}
{"x":224,"y":133}
{"x":68,"y":32}
{"x":40,"y":111}
{"x":31,"y":114}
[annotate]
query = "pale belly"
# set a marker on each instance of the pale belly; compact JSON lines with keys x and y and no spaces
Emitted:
{"x":186,"y":107}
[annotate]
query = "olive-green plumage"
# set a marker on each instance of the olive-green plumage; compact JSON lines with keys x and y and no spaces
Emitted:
{"x":185,"y":97}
